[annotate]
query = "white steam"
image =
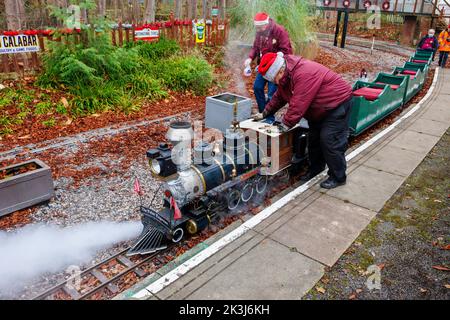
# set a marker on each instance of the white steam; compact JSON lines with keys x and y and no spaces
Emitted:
{"x":38,"y":249}
{"x":234,"y":59}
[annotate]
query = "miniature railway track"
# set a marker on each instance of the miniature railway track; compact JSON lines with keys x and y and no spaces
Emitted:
{"x":102,"y":281}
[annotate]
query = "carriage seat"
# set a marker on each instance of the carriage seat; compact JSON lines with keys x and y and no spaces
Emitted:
{"x":409,"y":72}
{"x":393,"y":86}
{"x":370,"y":94}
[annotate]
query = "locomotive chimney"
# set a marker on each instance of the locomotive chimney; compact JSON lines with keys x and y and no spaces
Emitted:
{"x":180,"y":135}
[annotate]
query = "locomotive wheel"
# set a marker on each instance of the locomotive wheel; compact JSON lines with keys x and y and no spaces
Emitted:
{"x":261,"y":184}
{"x":284,"y":175}
{"x":234,"y":198}
{"x":191,"y":227}
{"x":247,"y":192}
{"x":177,"y":235}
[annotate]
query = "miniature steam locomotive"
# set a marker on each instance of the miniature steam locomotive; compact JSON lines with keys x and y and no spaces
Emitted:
{"x":214,"y":177}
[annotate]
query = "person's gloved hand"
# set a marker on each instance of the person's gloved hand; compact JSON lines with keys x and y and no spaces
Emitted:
{"x":248,"y":71}
{"x":248,"y":62}
{"x":259,"y":116}
{"x":281,"y":126}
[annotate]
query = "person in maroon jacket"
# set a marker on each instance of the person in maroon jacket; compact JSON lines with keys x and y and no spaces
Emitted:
{"x":322,"y":97}
{"x":270,"y":37}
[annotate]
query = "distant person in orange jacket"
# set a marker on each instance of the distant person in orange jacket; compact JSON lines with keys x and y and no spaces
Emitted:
{"x":444,"y":46}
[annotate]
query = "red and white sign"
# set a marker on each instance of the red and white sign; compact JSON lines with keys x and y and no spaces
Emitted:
{"x":146,"y":34}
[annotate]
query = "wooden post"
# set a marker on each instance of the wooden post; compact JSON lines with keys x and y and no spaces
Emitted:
{"x":41,"y":42}
{"x":5,"y":63}
{"x":113,"y":35}
{"x":133,"y":27}
{"x":219,"y":32}
{"x":208,"y":35}
{"x":34,"y":60}
{"x":216,"y":30}
{"x":120,"y":34}
{"x":15,"y":63}
{"x":193,"y":42}
{"x":181,"y":35}
{"x":127,"y":35}
{"x":172,"y":23}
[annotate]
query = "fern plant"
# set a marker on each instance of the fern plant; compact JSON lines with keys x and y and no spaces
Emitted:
{"x":102,"y":77}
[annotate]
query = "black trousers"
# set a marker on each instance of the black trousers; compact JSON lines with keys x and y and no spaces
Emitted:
{"x":328,"y":141}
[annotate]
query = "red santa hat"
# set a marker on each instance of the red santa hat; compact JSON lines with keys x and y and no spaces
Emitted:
{"x":271,"y":64}
{"x":261,"y":19}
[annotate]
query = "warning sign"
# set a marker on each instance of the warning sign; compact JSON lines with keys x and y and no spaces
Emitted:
{"x":19,"y":44}
{"x":146,"y":34}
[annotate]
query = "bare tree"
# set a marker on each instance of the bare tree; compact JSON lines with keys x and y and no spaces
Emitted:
{"x":136,"y":11}
{"x":186,"y":8}
{"x":115,"y":6}
{"x":122,"y":10}
{"x":150,"y":9}
{"x":101,"y":8}
{"x":193,"y":12}
{"x":204,"y":8}
{"x":178,"y":7}
{"x":222,"y":8}
{"x":15,"y":14}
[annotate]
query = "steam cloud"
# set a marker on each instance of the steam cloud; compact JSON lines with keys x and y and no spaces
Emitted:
{"x":37,"y":249}
{"x":234,"y":59}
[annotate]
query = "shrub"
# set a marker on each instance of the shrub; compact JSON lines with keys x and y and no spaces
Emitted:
{"x":142,"y":84}
{"x":43,"y":107}
{"x":49,"y":123}
{"x":186,"y":73}
{"x":78,"y":66}
{"x":102,"y":77}
{"x":89,"y":100}
{"x":162,"y":49}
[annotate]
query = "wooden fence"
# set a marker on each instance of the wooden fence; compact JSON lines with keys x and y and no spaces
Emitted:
{"x":216,"y":34}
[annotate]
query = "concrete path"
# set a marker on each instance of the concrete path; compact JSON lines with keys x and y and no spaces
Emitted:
{"x":286,"y":254}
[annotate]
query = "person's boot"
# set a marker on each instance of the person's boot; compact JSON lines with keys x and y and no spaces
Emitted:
{"x":331,"y":183}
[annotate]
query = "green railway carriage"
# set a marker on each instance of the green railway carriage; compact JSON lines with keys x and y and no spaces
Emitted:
{"x":372,"y":101}
{"x":426,"y":53}
{"x":421,"y":58}
{"x":416,"y":74}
